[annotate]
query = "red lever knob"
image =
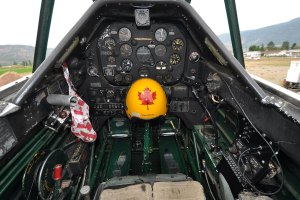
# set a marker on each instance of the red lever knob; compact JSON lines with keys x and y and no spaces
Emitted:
{"x":57,"y":172}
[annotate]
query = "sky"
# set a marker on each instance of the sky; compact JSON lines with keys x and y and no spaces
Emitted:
{"x":19,"y":18}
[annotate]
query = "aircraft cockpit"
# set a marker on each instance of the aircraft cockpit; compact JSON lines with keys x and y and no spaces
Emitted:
{"x":141,"y":100}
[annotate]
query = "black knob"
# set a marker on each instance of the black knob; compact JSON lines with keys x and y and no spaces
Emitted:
{"x":118,"y":77}
{"x":194,"y":57}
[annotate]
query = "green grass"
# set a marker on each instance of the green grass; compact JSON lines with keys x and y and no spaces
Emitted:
{"x":17,"y":69}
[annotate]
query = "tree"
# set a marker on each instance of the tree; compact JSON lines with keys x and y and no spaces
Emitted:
{"x":24,"y":63}
{"x":271,"y":46}
{"x":15,"y":63}
{"x":262,"y":47}
{"x":254,"y":48}
{"x":285,"y":45}
{"x":29,"y":62}
{"x":294,"y":46}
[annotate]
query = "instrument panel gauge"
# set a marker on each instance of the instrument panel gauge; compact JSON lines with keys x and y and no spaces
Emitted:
{"x":92,"y":71}
{"x":161,"y":65}
{"x":175,"y":59}
{"x":161,"y":34}
{"x":128,"y":78}
{"x":126,"y":50}
{"x":144,"y":55}
{"x":177,"y":44}
{"x":124,"y":34}
{"x":111,"y":60}
{"x":142,"y":17}
{"x":109,"y":43}
{"x":126,"y":65}
{"x":160,"y":50}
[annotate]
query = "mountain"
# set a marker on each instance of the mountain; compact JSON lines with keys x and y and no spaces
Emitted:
{"x":15,"y":53}
{"x":288,"y":31}
{"x":10,"y":54}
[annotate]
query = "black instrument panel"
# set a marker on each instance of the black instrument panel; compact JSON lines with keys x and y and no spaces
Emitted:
{"x":127,"y":53}
{"x":122,"y":52}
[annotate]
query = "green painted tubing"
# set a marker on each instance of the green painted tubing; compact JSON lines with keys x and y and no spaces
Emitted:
{"x":14,"y":172}
{"x":194,"y":168}
{"x":91,"y":162}
{"x":235,"y":35}
{"x":22,"y":162}
{"x":41,"y":44}
{"x":55,"y":144}
{"x":24,"y":149}
{"x":75,"y":189}
{"x":98,"y":163}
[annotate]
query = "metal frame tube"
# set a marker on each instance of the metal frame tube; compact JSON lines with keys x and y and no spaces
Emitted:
{"x":234,"y":30}
{"x":98,"y":164}
{"x":19,"y":167}
{"x":43,"y":33}
{"x":91,"y":163}
{"x":27,"y":147}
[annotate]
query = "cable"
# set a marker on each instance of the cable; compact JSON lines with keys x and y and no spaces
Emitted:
{"x":207,"y":181}
{"x":194,"y":91}
{"x":260,"y":134}
{"x":248,"y":181}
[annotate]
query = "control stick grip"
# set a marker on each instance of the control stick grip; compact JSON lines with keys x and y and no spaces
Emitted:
{"x":62,"y":100}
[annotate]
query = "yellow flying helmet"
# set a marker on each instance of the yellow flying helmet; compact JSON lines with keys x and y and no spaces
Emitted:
{"x":146,"y":100}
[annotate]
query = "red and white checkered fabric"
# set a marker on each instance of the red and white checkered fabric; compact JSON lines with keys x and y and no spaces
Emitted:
{"x":81,"y":126}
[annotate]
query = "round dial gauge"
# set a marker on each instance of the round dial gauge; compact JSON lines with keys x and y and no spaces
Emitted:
{"x":124,"y":34}
{"x":126,"y":50}
{"x":92,"y":71}
{"x":174,"y":59}
{"x":126,"y":65}
{"x":177,"y":44}
{"x":161,"y":34}
{"x":109,"y":43}
{"x":111,"y":60}
{"x":128,"y":78}
{"x":160,"y":50}
{"x":144,"y":55}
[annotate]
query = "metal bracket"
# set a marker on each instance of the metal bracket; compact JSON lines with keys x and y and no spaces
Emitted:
{"x":270,"y":100}
{"x":56,"y":119}
{"x":7,"y":108}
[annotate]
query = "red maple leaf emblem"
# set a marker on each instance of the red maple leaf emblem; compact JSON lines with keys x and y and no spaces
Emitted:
{"x":147,"y":97}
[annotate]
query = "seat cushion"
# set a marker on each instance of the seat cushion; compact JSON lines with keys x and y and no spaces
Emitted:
{"x":132,"y":192}
{"x":184,"y":190}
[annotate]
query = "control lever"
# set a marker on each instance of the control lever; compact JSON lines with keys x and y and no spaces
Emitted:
{"x":57,"y":176}
{"x":62,"y":100}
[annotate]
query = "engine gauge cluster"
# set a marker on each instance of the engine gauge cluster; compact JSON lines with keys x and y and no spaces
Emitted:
{"x":127,"y":52}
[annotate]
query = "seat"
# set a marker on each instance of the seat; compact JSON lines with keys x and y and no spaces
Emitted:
{"x":151,"y":187}
{"x":133,"y":192}
{"x":183,"y":190}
